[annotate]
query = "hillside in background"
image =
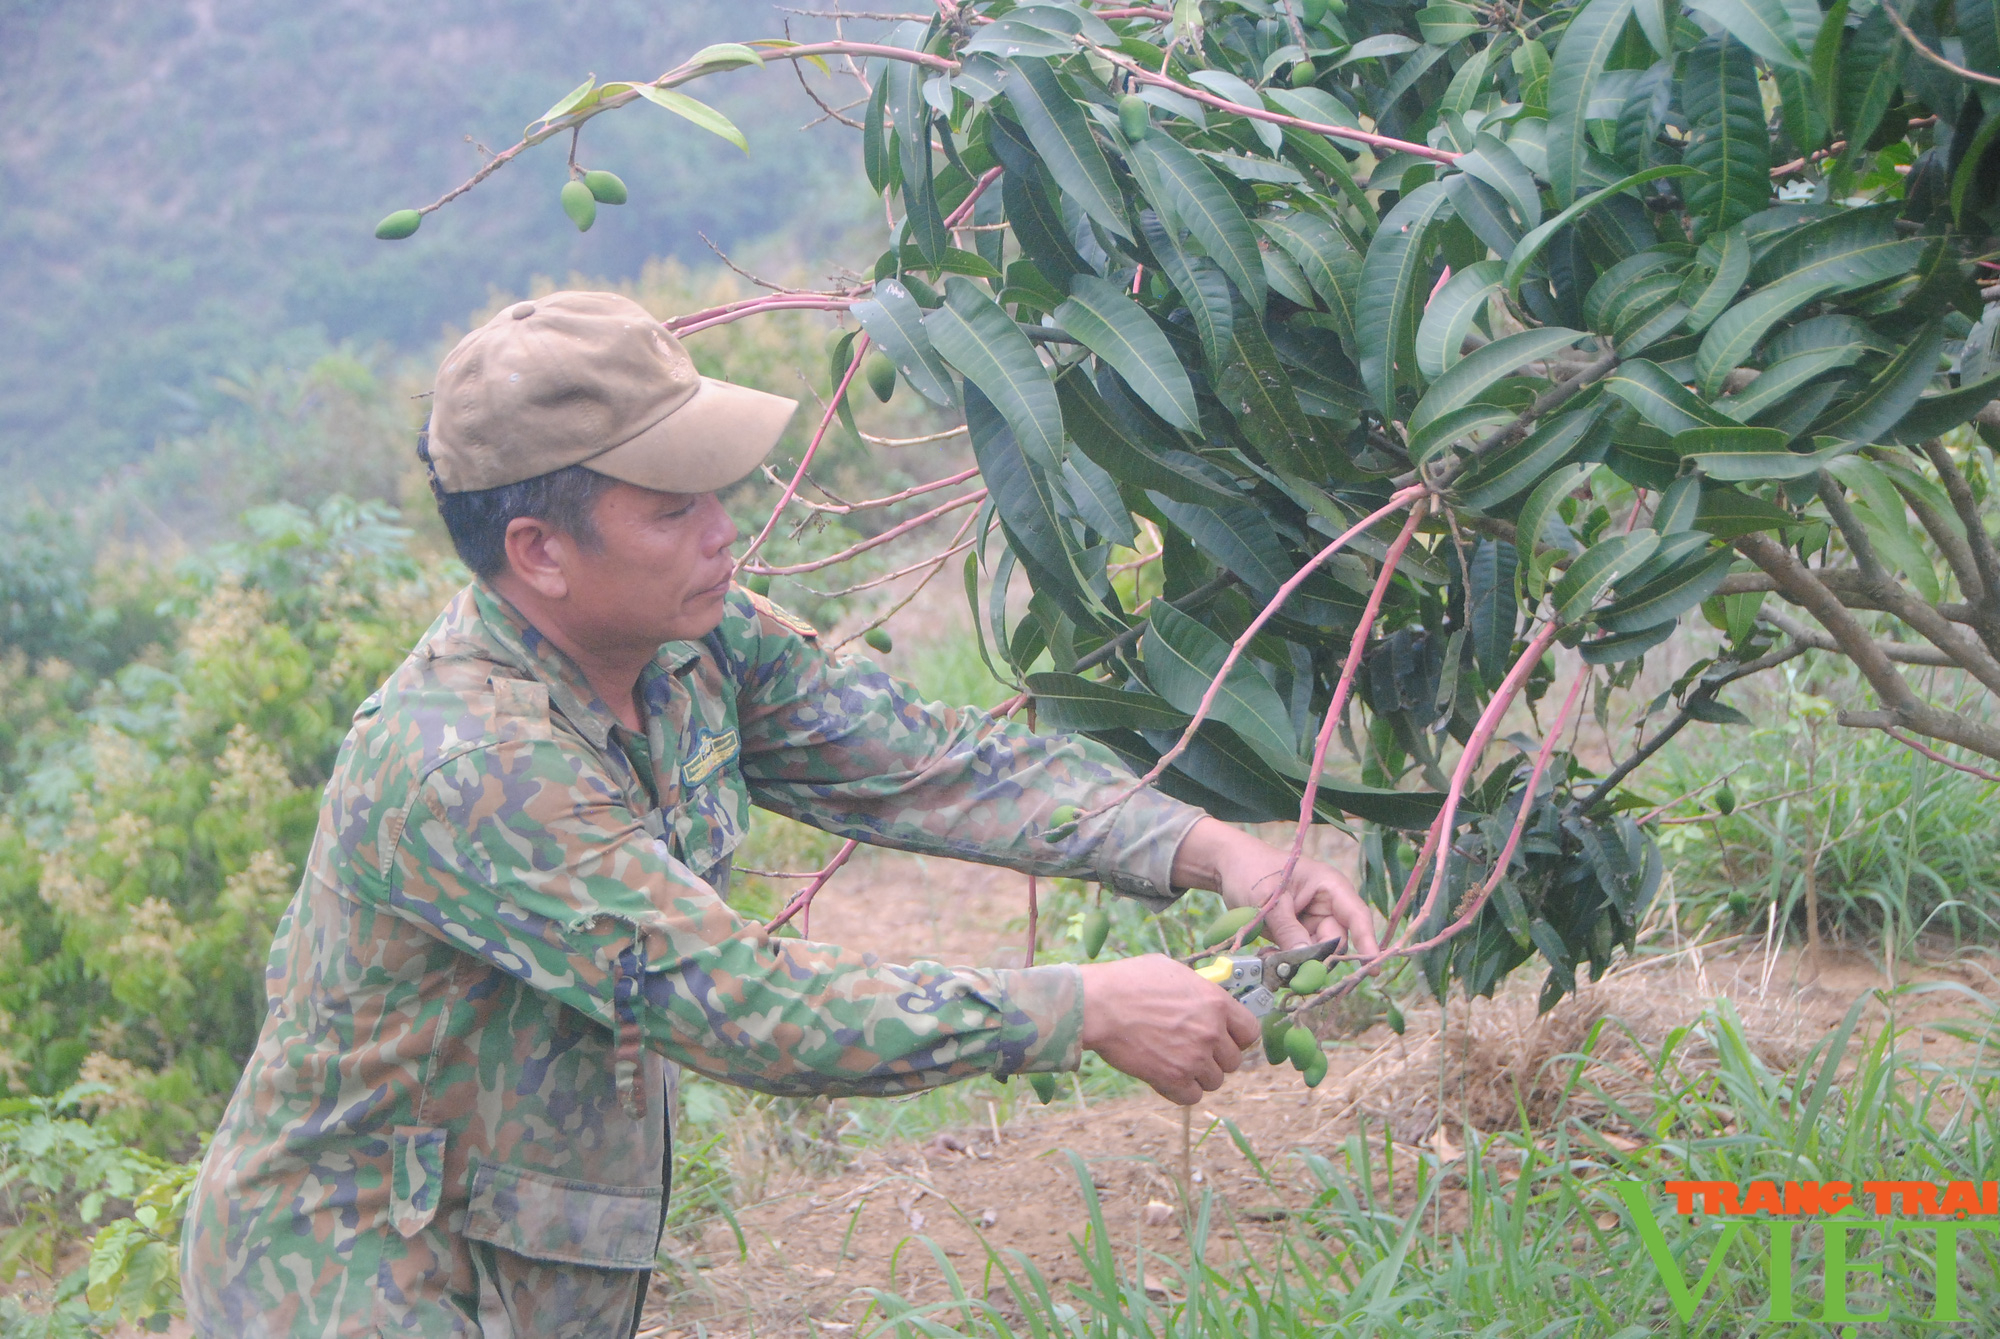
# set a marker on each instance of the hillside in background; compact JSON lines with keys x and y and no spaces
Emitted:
{"x":187,"y":191}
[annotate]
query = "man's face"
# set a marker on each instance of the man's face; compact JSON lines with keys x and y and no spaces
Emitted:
{"x":658,"y":573}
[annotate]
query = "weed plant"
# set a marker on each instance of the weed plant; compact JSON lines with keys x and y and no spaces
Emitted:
{"x":1545,"y":1245}
{"x":1885,"y":845}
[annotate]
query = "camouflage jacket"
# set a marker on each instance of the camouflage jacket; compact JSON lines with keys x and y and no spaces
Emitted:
{"x":454,"y":1121}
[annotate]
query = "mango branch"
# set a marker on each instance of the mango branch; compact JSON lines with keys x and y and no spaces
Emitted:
{"x":893,"y":532}
{"x":1140,"y":74}
{"x":812,"y":447}
{"x":936,"y":564}
{"x":1482,"y":734}
{"x":1309,"y":802}
{"x":1264,"y":615}
{"x":869,"y":504}
{"x":571,"y":121}
{"x":801,"y":903}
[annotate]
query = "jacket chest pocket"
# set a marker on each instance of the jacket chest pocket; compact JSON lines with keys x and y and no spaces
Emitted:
{"x":557,"y":1258}
{"x":712,"y":811}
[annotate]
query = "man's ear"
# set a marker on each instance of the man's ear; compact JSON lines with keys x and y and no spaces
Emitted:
{"x":537,"y":554}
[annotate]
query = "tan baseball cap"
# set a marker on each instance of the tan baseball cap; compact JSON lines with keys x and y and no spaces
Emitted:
{"x":592,"y":379}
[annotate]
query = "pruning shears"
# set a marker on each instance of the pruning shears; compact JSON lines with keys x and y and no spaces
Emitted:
{"x":1255,"y":978}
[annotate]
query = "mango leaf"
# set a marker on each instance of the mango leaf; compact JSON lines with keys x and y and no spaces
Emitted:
{"x":1531,"y":245}
{"x":1490,"y":612}
{"x":983,"y":343}
{"x":1449,"y":317}
{"x":1010,"y":38}
{"x":1182,"y":659}
{"x":1206,"y":208}
{"x":1728,"y":143}
{"x":1737,"y":332}
{"x":1494,"y":163}
{"x":725,"y":56}
{"x":1200,"y":281}
{"x":1069,"y":152}
{"x":1094,"y":494}
{"x":1765,"y":26}
{"x":1473,"y":375}
{"x":1871,"y":75}
{"x":1597,"y":567}
{"x":1732,"y":268}
{"x":1507,"y":474}
{"x":1854,"y":248}
{"x":1389,"y":281}
{"x":1027,"y":503}
{"x":1070,"y":702}
{"x":1330,"y":264}
{"x":1762,"y":466}
{"x":1580,"y":61}
{"x":1534,"y":517}
{"x":569,"y":102}
{"x":1253,"y":387}
{"x":1661,"y":400}
{"x":1613,"y":289}
{"x":1782,"y":378}
{"x":1935,"y":415}
{"x":1675,"y":550}
{"x":1728,"y":513}
{"x":703,"y":115}
{"x":895,"y":323}
{"x":1894,"y":391}
{"x":1119,"y":331}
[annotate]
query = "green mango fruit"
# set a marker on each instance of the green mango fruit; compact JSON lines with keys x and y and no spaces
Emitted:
{"x":757,"y":582}
{"x":579,"y":204}
{"x":880,"y":640}
{"x":1315,"y":1072}
{"x":1096,"y":925}
{"x":1304,"y":73}
{"x":1277,"y":1024}
{"x":1725,"y":800}
{"x":1224,"y":927}
{"x":1134,"y":117}
{"x":1311,"y":12}
{"x":399,"y":225}
{"x":881,"y":374}
{"x":1302,"y":1048}
{"x":605,"y":188}
{"x":1044,"y":1086}
{"x":1310,"y":978}
{"x":1395,"y":1018}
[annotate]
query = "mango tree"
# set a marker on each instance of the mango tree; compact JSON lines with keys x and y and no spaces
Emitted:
{"x":1409,"y":346}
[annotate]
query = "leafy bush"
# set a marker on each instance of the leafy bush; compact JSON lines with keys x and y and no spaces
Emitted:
{"x":156,"y":838}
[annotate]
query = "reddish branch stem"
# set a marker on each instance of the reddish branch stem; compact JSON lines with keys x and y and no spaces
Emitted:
{"x":1479,"y":899}
{"x":917,"y":490}
{"x":1264,"y":615}
{"x":1935,"y":756}
{"x":894,"y":532}
{"x":777,"y":302}
{"x":1309,"y":802}
{"x":802,"y":903}
{"x":1146,"y":76}
{"x":1482,"y":734}
{"x":805,"y":461}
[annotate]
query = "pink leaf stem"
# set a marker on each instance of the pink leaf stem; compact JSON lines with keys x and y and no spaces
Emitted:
{"x":1408,"y":495}
{"x":918,"y":490}
{"x":894,"y":532}
{"x":778,"y":302}
{"x":1146,"y":76}
{"x":825,"y":422}
{"x":1482,"y":734}
{"x":964,"y":210}
{"x":1935,"y":756}
{"x":1349,"y":668}
{"x":802,"y":902}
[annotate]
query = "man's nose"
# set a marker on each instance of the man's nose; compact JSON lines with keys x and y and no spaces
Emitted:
{"x":720,"y":528}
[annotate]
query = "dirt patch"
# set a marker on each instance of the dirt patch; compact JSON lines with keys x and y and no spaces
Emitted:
{"x":814,"y":1248}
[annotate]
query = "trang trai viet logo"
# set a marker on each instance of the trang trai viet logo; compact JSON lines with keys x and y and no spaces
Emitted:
{"x":1796,"y":1232}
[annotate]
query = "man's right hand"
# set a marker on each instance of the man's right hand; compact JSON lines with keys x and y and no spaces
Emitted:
{"x":1156,"y":1020}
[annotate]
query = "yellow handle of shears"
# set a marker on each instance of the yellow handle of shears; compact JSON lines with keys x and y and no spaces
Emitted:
{"x":1218,"y":970}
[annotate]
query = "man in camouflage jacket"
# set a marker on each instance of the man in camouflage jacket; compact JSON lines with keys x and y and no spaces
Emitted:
{"x":512,"y":921}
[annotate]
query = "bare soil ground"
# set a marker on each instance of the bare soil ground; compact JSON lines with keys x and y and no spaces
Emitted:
{"x":815,"y":1245}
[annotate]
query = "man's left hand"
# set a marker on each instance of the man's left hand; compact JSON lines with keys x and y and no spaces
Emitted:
{"x":1320,"y":904}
